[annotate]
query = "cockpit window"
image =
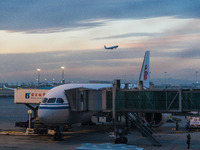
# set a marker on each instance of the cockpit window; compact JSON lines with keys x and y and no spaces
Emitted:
{"x":44,"y":100}
{"x":51,"y":100}
{"x":60,"y":100}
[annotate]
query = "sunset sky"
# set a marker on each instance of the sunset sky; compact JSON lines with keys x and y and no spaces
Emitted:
{"x":50,"y":34}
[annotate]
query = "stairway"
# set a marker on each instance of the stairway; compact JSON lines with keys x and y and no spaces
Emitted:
{"x":144,"y":128}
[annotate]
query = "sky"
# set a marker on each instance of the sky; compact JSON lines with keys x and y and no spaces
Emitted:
{"x":50,"y":34}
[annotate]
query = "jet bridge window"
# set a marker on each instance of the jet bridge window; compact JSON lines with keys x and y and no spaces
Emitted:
{"x":60,"y":100}
{"x":51,"y":100}
{"x":44,"y":100}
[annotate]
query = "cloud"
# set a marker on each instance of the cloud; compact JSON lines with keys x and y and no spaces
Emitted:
{"x":168,"y":28}
{"x":51,"y":16}
{"x":192,"y":52}
{"x":129,"y":35}
{"x":97,"y":64}
{"x":77,"y":62}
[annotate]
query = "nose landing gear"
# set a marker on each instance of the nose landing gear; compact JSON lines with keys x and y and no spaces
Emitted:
{"x":58,"y":136}
{"x":121,"y":140}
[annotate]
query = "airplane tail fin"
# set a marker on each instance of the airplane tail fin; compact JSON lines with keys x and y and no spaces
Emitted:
{"x":144,"y":74}
{"x":4,"y":87}
{"x":105,"y":47}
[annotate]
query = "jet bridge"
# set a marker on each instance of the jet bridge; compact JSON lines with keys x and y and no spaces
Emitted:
{"x":163,"y":101}
{"x":157,"y":100}
{"x":83,"y":99}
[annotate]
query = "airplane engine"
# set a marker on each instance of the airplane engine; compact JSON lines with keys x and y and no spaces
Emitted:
{"x":156,"y":119}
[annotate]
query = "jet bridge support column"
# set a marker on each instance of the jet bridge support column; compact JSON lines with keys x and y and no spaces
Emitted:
{"x":180,"y":100}
{"x":114,"y":89}
{"x":119,"y":133}
{"x":116,"y":86}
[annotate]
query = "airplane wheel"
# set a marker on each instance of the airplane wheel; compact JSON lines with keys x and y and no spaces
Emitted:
{"x":55,"y":137}
{"x":58,"y":136}
{"x":117,"y":141}
{"x":124,"y":140}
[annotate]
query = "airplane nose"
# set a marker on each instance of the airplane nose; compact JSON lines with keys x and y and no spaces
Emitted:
{"x":53,"y":116}
{"x":42,"y":116}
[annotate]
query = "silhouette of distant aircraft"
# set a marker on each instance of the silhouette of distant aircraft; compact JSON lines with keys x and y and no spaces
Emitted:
{"x":112,"y":47}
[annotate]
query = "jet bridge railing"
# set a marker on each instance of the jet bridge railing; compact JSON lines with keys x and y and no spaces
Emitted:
{"x":155,"y":100}
{"x":169,"y":101}
{"x":191,"y":100}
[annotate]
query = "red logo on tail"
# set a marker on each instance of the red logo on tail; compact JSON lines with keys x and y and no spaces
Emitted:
{"x":145,"y":72}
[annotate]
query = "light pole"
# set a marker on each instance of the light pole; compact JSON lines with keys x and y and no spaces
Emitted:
{"x":63,"y":69}
{"x":196,"y":77}
{"x":165,"y":80}
{"x":38,"y":70}
{"x":149,"y":76}
{"x":45,"y":81}
{"x":53,"y":80}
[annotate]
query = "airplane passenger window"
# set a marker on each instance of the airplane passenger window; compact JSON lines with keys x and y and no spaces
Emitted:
{"x":51,"y":100}
{"x":60,"y":100}
{"x":44,"y":100}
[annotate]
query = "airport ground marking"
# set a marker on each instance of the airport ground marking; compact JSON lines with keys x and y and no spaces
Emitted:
{"x":173,"y":147}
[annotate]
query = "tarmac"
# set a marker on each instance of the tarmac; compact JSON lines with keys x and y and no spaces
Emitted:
{"x":15,"y":138}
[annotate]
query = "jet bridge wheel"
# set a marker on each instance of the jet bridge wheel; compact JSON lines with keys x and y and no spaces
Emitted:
{"x":121,"y":140}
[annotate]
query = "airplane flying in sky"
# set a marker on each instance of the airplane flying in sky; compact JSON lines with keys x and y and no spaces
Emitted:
{"x":55,"y":109}
{"x":111,"y":47}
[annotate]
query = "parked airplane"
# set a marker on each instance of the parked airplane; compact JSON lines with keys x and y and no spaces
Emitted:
{"x":55,"y":110}
{"x":155,"y":119}
{"x":112,"y":47}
